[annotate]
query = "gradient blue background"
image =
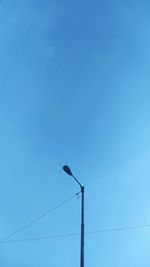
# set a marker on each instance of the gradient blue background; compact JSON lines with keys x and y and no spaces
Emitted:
{"x":75,"y":89}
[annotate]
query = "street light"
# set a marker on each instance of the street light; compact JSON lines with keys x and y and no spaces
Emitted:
{"x":69,"y":172}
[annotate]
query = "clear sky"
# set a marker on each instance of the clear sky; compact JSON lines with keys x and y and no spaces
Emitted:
{"x":75,"y":89}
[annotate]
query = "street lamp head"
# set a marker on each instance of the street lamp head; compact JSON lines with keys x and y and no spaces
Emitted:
{"x":67,"y":170}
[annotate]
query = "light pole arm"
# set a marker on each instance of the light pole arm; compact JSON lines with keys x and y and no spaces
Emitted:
{"x":77,"y":182}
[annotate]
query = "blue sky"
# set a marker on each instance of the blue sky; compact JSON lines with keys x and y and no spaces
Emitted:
{"x":74,"y":88}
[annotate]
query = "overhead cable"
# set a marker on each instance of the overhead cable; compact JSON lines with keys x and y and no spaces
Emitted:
{"x":37,"y":219}
{"x":60,"y":236}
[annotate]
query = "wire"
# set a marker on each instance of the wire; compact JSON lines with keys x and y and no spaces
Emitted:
{"x":125,"y":228}
{"x":41,"y":238}
{"x":77,"y":234}
{"x":38,"y":218}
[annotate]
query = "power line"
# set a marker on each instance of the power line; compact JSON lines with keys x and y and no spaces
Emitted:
{"x":38,"y":218}
{"x":41,"y":238}
{"x":125,"y":228}
{"x":77,"y":234}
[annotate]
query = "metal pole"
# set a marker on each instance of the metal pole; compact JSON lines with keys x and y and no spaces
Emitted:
{"x":82,"y":228}
{"x":69,"y":172}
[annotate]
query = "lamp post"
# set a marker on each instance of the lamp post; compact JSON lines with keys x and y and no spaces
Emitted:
{"x":69,"y":172}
